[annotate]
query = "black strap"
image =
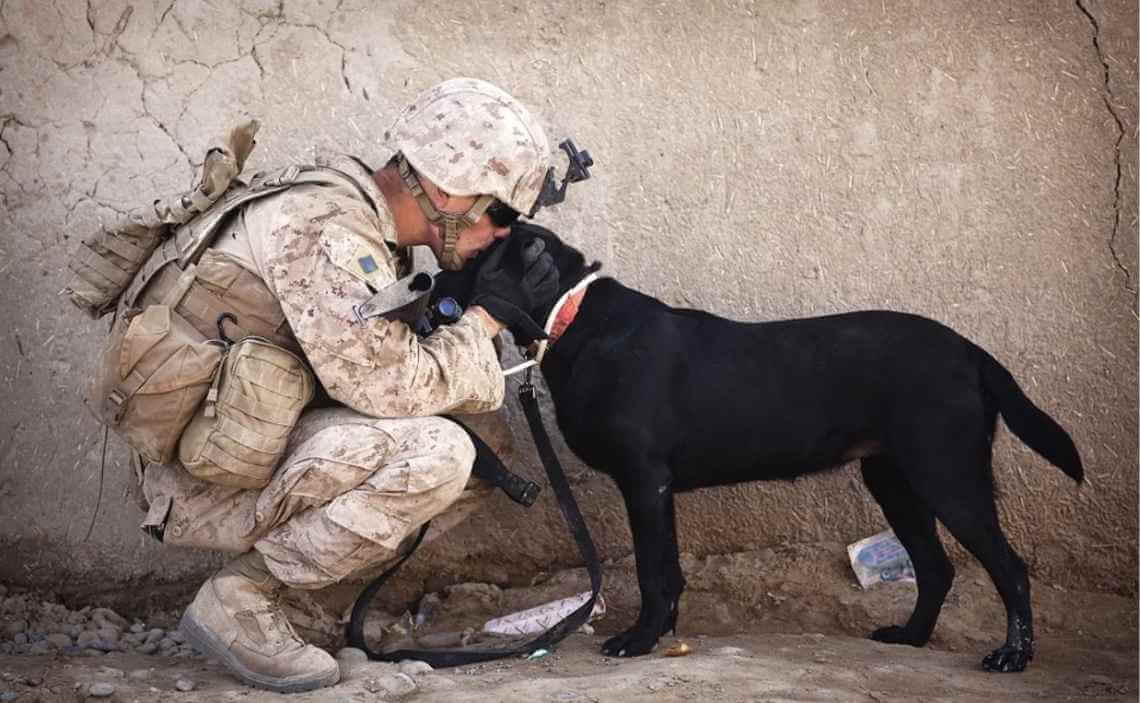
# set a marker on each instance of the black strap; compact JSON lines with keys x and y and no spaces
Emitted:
{"x":441,"y":658}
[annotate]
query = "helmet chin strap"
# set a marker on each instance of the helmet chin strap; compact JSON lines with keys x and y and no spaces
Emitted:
{"x":453,"y":224}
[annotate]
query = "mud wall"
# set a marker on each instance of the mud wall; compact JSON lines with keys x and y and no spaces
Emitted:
{"x":970,"y":162}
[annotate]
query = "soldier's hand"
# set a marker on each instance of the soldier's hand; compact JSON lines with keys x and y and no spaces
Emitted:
{"x":512,"y":294}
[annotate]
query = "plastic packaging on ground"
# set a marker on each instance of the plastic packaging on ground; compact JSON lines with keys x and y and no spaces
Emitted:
{"x":541,"y":618}
{"x":880,"y":558}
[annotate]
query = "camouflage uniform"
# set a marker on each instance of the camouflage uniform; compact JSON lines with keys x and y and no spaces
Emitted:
{"x":355,"y":480}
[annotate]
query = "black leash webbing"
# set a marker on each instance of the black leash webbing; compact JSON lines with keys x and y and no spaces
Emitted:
{"x":442,"y":658}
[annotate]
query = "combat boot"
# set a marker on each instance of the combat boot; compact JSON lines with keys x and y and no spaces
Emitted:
{"x":235,"y":618}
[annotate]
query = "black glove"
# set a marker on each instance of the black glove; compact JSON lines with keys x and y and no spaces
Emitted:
{"x":512,"y":291}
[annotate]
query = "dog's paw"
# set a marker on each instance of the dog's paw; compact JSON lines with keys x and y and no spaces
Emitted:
{"x":634,"y":642}
{"x":895,"y":634}
{"x":1007,"y":659}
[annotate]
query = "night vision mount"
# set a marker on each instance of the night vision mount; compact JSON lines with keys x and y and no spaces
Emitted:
{"x":577,"y":170}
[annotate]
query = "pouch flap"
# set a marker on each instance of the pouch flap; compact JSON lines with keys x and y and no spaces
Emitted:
{"x":189,"y":365}
{"x":145,"y":331}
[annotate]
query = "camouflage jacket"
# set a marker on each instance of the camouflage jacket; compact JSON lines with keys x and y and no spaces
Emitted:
{"x":319,"y":249}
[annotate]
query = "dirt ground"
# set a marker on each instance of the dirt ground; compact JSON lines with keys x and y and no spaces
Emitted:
{"x":774,"y":625}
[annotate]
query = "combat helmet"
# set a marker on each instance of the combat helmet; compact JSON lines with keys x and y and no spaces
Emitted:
{"x":470,"y":138}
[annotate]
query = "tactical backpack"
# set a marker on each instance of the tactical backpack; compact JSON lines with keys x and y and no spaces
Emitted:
{"x":170,"y":373}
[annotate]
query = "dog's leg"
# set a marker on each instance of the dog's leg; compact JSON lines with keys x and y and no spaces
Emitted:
{"x":956,"y":481}
{"x":674,"y":578}
{"x":913,"y":522}
{"x":648,"y":500}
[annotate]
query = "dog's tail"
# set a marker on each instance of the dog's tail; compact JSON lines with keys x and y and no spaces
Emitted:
{"x":1039,"y":431}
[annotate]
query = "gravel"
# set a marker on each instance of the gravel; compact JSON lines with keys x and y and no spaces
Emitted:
{"x":31,"y":627}
{"x":184,"y":685}
{"x":100,"y":690}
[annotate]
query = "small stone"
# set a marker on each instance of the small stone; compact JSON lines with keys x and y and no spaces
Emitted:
{"x":42,"y":647}
{"x":20,"y":638}
{"x":140,"y":674}
{"x":148,"y":648}
{"x":36,"y":636}
{"x":138,"y":627}
{"x":9,"y":696}
{"x":396,"y":685}
{"x":110,"y":617}
{"x":351,"y":655}
{"x":154,"y":635}
{"x":414,"y":667}
{"x":11,"y":629}
{"x":184,"y":685}
{"x":166,"y":643}
{"x":109,"y":633}
{"x":105,"y":646}
{"x":100,"y":690}
{"x":59,"y":640}
{"x":86,"y":637}
{"x":586,"y":628}
{"x":177,"y":636}
{"x":109,"y":672}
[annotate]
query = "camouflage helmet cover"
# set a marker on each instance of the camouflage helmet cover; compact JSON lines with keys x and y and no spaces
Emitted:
{"x":471,"y":138}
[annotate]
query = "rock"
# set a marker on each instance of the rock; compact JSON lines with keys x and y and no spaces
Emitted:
{"x":100,"y":690}
{"x":109,"y":672}
{"x":110,"y":617}
{"x":13,"y":628}
{"x":148,"y":648}
{"x":414,"y":667}
{"x":105,"y":646}
{"x":396,"y":685}
{"x":351,"y":655}
{"x":109,"y":633}
{"x":138,"y":628}
{"x":6,"y":648}
{"x":140,"y":674}
{"x":41,"y":647}
{"x":59,"y":640}
{"x":9,"y":696}
{"x":86,"y":637}
{"x":166,"y":644}
{"x":20,"y":638}
{"x":154,"y":635}
{"x":184,"y":685}
{"x":177,"y":636}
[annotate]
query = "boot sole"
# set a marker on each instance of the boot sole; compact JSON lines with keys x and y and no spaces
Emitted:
{"x":203,"y":640}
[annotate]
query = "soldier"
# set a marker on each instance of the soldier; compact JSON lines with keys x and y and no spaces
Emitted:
{"x":356,"y":479}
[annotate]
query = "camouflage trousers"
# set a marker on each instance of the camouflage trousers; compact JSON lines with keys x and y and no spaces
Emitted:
{"x":350,"y":489}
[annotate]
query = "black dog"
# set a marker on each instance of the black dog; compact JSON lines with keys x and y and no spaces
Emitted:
{"x":664,"y":399}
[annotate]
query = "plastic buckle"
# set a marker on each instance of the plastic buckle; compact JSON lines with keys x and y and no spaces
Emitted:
{"x":521,"y":490}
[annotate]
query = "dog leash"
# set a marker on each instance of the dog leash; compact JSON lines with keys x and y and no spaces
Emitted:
{"x":442,"y":658}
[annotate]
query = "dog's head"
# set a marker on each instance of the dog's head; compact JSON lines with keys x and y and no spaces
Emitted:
{"x":570,"y":262}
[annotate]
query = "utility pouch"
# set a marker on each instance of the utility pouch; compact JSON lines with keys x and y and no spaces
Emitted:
{"x":239,"y":434}
{"x":156,"y":370}
{"x":104,"y":264}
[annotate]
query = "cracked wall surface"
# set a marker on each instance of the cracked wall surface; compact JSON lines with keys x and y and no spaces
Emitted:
{"x":975,"y":164}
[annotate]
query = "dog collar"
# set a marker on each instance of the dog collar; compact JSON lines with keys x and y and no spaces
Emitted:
{"x":560,"y":318}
